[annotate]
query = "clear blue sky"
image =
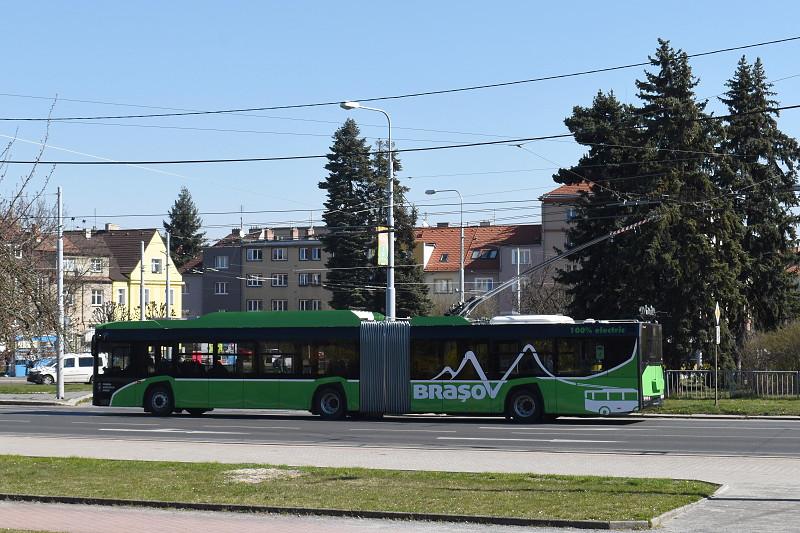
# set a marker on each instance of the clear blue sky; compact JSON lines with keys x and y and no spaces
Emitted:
{"x":217,"y":55}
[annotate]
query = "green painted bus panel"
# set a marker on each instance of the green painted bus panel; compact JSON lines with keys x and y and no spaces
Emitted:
{"x":191,"y":393}
{"x":225,"y":393}
{"x":131,"y":395}
{"x":261,"y":393}
{"x":439,"y":321}
{"x":653,"y":381}
{"x":353,"y":391}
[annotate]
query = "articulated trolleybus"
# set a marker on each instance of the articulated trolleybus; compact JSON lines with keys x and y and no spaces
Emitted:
{"x":333,"y":363}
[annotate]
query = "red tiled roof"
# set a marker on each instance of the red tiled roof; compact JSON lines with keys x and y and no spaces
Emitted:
{"x":195,"y":262}
{"x":447,"y":240}
{"x":566,"y":192}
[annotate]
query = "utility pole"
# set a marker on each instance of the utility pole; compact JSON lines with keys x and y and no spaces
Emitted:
{"x":141,"y":285}
{"x":519,"y":286}
{"x":166,"y":272}
{"x":716,"y":365}
{"x":60,"y":289}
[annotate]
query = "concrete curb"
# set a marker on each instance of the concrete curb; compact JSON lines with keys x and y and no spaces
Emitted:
{"x":72,"y":402}
{"x":659,"y":520}
{"x":716,"y":417}
{"x":426,"y":517}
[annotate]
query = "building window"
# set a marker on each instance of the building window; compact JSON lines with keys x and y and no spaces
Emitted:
{"x":316,"y":280}
{"x":155,"y":266}
{"x":443,"y":258}
{"x":304,"y":254}
{"x":69,"y":298}
{"x":304,"y":279}
{"x":280,"y":305}
{"x":146,"y":296}
{"x":280,"y":280}
{"x":221,"y":287}
{"x":69,"y":265}
{"x":221,"y":262}
{"x":172,"y":297}
{"x":484,"y":253}
{"x":18,"y":253}
{"x":185,"y":288}
{"x":97,"y":264}
{"x":572,"y":213}
{"x":97,"y":297}
{"x":121,"y":296}
{"x":280,"y":254}
{"x":524,"y":256}
{"x":255,"y":280}
{"x":484,"y":284}
{"x":255,"y":305}
{"x":442,"y":286}
{"x":316,"y":254}
{"x":255,"y":254}
{"x":310,"y":305}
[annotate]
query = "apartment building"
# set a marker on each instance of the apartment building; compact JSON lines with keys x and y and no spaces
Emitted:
{"x":558,"y":212}
{"x":266,"y":269}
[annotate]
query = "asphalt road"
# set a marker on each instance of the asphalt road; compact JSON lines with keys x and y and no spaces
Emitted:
{"x":717,"y":437}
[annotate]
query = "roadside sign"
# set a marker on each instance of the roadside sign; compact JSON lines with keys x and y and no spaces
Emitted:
{"x":716,"y":315}
{"x":717,"y":327}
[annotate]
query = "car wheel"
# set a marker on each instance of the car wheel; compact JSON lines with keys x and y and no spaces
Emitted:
{"x":160,"y":401}
{"x":525,"y":407}
{"x":48,"y":380}
{"x":330,"y":404}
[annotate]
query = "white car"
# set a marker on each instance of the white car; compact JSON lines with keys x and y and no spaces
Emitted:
{"x":78,"y":368}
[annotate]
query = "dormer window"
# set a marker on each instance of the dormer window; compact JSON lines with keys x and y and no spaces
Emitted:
{"x":443,"y":258}
{"x":484,"y":253}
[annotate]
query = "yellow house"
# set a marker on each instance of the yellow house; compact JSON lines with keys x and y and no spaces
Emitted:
{"x":125,"y":271}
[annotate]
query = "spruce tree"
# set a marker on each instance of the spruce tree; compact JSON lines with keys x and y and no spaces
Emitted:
{"x":760,"y":170}
{"x":411,"y":293}
{"x":184,"y":224}
{"x":349,"y":238}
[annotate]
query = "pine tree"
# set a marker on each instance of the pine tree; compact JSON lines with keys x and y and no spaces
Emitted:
{"x":184,"y":224}
{"x":349,"y":239}
{"x":411,"y":293}
{"x":761,"y":166}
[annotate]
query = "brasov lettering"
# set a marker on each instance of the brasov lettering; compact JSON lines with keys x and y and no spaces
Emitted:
{"x":439,"y":391}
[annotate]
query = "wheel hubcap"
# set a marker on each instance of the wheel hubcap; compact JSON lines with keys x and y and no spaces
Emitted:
{"x":524,"y":406}
{"x":329,"y":404}
{"x":159,"y":400}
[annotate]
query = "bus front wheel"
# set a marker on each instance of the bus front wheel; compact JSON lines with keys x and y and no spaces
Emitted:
{"x":330,"y":404}
{"x":160,"y":401}
{"x":525,"y":406}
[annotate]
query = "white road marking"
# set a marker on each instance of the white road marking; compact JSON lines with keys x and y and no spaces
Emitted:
{"x":172,"y":430}
{"x":16,"y":421}
{"x":524,"y":440}
{"x":253,"y":427}
{"x":408,"y":430}
{"x":99,"y":423}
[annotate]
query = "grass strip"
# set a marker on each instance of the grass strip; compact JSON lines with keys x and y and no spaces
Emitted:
{"x":735,"y":406}
{"x":33,"y":388}
{"x":530,"y":496}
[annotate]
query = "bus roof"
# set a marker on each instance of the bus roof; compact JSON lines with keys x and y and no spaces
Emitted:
{"x":262,"y":319}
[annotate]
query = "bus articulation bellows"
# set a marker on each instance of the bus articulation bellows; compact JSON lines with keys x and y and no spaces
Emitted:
{"x":337,"y":362}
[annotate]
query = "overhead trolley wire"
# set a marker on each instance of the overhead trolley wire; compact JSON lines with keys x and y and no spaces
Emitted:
{"x":395,"y":97}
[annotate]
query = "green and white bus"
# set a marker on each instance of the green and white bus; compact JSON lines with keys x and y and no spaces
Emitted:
{"x":335,"y":363}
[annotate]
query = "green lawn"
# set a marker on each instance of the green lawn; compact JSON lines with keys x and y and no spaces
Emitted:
{"x":508,"y":495}
{"x":736,"y":406}
{"x":33,"y":388}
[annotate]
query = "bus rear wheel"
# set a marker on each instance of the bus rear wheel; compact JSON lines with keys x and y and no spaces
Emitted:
{"x":160,"y":401}
{"x":524,"y":407}
{"x":330,"y":404}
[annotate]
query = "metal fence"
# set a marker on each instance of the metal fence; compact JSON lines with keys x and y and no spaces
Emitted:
{"x":699,"y":384}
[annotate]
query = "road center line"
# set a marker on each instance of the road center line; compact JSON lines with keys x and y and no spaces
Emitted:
{"x":16,"y":421}
{"x":116,"y":423}
{"x":408,"y":430}
{"x":171,"y":430}
{"x":524,"y":440}
{"x":252,"y":427}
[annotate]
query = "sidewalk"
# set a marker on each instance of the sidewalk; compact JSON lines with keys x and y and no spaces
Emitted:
{"x":40,"y":398}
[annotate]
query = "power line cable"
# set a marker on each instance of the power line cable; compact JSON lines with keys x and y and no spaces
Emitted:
{"x":400,"y":96}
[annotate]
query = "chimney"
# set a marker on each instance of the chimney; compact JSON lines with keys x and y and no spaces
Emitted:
{"x":88,"y":233}
{"x":442,"y":224}
{"x":236,"y":232}
{"x":111,"y":227}
{"x":485,"y":223}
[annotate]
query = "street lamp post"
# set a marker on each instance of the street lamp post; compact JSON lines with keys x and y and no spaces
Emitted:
{"x":461,"y":225}
{"x":390,"y":299}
